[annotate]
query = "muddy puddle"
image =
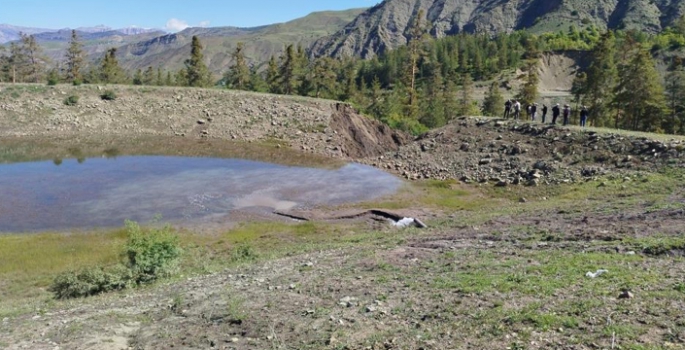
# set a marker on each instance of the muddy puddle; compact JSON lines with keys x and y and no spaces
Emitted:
{"x":86,"y":193}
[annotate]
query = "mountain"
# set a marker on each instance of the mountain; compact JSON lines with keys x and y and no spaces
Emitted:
{"x":170,"y":50}
{"x":10,"y":33}
{"x":385,"y":25}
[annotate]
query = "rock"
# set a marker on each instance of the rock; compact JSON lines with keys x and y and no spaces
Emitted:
{"x":292,"y":286}
{"x":523,"y":200}
{"x":370,"y":308}
{"x":465,"y":147}
{"x":626,"y":294}
{"x":501,"y":184}
{"x":485,"y":161}
{"x":234,"y":340}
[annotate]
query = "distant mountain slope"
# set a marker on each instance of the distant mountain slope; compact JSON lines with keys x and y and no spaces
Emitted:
{"x":10,"y":33}
{"x":385,"y":25}
{"x":169,"y":51}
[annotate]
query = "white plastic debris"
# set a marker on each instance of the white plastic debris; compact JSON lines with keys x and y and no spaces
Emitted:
{"x":406,"y":222}
{"x":596,"y":273}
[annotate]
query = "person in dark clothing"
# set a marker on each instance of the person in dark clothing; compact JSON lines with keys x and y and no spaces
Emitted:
{"x":534,"y":111}
{"x":529,"y":110}
{"x":544,"y":113}
{"x":517,"y":110}
{"x":507,"y":109}
{"x":584,"y":113}
{"x":556,"y":112}
{"x":567,"y":114}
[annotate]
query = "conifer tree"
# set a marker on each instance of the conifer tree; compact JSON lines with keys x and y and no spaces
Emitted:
{"x":529,"y":89}
{"x":74,"y":58}
{"x":675,"y":97}
{"x":238,"y":75}
{"x":466,"y":98}
{"x":640,"y":94}
{"x":138,"y":77}
{"x":35,"y":60}
{"x":492,"y":105}
{"x":110,"y":71}
{"x":432,"y":113}
{"x":601,"y":78}
{"x":272,"y":76}
{"x":288,"y":71}
{"x":417,"y":36}
{"x":196,"y":72}
{"x":16,"y":63}
{"x":159,"y":80}
{"x":324,"y":77}
{"x":149,"y":76}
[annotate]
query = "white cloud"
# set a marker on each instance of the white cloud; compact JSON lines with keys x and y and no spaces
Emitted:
{"x":204,"y":24}
{"x":176,"y":25}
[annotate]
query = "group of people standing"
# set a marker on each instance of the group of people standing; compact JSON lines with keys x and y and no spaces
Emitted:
{"x":513,"y":108}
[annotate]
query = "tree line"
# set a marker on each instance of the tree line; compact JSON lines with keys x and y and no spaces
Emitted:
{"x":426,"y":83}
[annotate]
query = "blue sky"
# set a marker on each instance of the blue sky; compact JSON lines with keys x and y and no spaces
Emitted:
{"x":171,"y":15}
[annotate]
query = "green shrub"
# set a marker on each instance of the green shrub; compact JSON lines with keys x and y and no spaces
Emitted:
{"x":91,"y":281}
{"x":108,"y":95}
{"x":52,"y":81}
{"x":151,"y":253}
{"x":77,"y":82}
{"x":243,"y":253}
{"x":71,"y":100}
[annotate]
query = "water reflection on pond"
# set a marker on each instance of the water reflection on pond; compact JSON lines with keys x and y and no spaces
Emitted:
{"x":103,"y":192}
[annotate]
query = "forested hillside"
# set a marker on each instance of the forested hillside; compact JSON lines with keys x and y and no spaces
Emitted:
{"x":428,"y":82}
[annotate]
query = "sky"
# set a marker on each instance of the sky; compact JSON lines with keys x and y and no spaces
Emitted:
{"x":170,"y":15}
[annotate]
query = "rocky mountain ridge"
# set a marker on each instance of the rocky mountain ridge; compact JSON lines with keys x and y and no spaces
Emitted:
{"x":385,"y":26}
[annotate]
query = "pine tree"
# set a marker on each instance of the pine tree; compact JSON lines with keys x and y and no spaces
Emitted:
{"x":417,"y":36}
{"x":238,"y":75}
{"x":196,"y":72}
{"x":35,"y":60}
{"x":466,"y":99}
{"x":288,"y":71}
{"x":639,"y":93}
{"x":149,"y":76}
{"x":272,"y":76}
{"x":601,"y":77}
{"x":324,"y":78}
{"x":159,"y":81}
{"x":529,"y":90}
{"x":169,"y":80}
{"x":675,"y":97}
{"x":16,"y":63}
{"x":432,"y":113}
{"x":110,"y":71}
{"x":74,"y":58}
{"x":138,"y":77}
{"x":492,"y":105}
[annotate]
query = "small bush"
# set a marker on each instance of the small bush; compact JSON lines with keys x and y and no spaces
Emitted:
{"x":91,"y":281}
{"x":108,"y":95}
{"x":52,"y":81}
{"x":243,"y":253}
{"x":77,"y":82}
{"x":151,"y":253}
{"x":71,"y":100}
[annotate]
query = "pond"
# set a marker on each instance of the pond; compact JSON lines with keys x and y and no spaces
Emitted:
{"x":103,"y":192}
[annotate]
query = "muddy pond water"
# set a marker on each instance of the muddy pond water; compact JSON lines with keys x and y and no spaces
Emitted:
{"x":104,"y":192}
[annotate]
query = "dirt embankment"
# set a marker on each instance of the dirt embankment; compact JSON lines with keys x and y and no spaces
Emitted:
{"x":315,"y":126}
{"x":501,"y":152}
